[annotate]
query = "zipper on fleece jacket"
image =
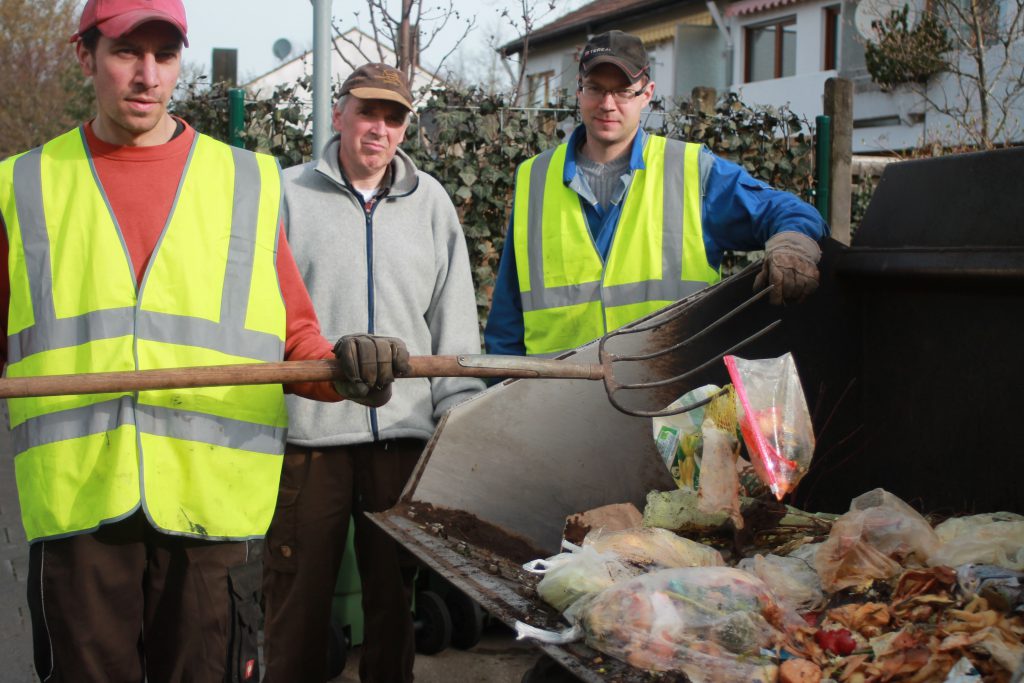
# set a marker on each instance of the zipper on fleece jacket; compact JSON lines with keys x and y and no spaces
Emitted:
{"x":368,"y":209}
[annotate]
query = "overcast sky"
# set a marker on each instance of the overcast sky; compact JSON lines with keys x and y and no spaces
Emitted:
{"x":252,"y":27}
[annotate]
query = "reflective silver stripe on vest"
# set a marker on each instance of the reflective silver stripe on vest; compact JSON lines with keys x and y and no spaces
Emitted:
{"x":540,"y":297}
{"x":228,"y":336}
{"x":47,"y":334}
{"x":671,"y":286}
{"x":242,"y":247}
{"x":553,"y":297}
{"x":672,"y":213}
{"x":650,"y":290}
{"x":537,"y":296}
{"x":210,"y":429}
{"x":236,"y":341}
{"x":28,"y":197}
{"x":72,"y":424}
{"x":109,"y":415}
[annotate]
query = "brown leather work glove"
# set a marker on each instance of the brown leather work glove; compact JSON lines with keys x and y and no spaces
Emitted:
{"x":369,"y":365}
{"x":791,"y":266}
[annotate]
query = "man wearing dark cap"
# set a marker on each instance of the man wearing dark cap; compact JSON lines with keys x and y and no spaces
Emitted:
{"x":617,"y":223}
{"x":135,"y":243}
{"x":381,"y":250}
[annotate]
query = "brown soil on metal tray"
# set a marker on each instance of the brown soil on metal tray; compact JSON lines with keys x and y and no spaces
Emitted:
{"x":502,"y":554}
{"x":463,"y":526}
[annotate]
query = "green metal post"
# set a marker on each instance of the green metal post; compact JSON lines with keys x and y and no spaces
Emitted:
{"x":236,"y":115}
{"x":823,"y":165}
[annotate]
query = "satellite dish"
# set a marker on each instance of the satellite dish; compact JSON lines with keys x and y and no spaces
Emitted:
{"x":869,"y":11}
{"x":282,"y":48}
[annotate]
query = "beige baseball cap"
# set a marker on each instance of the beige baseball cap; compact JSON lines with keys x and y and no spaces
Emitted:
{"x":378,"y":82}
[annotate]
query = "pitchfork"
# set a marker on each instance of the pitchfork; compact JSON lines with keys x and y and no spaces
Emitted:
{"x":482,"y":366}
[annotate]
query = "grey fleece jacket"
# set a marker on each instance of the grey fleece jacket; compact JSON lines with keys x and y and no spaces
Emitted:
{"x":399,"y":270}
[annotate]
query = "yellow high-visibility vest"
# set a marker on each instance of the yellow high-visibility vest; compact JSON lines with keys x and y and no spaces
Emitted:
{"x":570,"y":296}
{"x":199,"y":462}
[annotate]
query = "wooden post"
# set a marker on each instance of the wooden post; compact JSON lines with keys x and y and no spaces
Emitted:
{"x":225,"y":66}
{"x":704,"y":100}
{"x":839,"y":106}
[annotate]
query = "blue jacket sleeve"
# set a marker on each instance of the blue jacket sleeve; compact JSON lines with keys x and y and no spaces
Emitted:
{"x":505,"y":331}
{"x":741,"y":213}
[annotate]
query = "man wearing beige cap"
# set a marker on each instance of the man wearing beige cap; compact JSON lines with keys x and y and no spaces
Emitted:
{"x":381,"y":250}
{"x":135,"y":243}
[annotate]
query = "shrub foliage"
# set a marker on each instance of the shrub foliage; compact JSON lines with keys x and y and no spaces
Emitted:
{"x":903,"y":54}
{"x":472,"y":143}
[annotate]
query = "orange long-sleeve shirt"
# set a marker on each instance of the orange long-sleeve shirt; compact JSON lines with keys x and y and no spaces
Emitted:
{"x":141,"y":183}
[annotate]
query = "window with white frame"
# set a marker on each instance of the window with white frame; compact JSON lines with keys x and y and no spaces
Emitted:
{"x":770,"y":50}
{"x":831,"y":17}
{"x":538,"y":88}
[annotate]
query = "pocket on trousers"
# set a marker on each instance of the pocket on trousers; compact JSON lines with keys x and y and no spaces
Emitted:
{"x":244,"y":595}
{"x":282,"y":536}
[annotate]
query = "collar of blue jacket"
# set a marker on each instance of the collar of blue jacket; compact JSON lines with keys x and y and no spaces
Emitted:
{"x":636,"y":155}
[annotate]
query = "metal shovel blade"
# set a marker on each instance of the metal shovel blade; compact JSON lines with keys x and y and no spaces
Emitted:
{"x":524,"y":455}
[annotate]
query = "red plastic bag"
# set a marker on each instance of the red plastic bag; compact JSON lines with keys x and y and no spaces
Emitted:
{"x":774,"y":420}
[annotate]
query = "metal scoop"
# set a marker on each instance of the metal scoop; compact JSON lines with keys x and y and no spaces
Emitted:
{"x":664,"y":357}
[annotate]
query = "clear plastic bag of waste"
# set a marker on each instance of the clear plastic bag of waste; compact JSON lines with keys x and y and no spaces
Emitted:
{"x":774,"y":419}
{"x":874,"y":540}
{"x":993,"y":538}
{"x":568,"y":576}
{"x":650,"y":547}
{"x":793,"y":580}
{"x":712,"y":623}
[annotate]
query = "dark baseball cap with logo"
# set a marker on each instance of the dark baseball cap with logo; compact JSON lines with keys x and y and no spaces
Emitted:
{"x":115,"y":18}
{"x":620,"y":49}
{"x":378,"y":82}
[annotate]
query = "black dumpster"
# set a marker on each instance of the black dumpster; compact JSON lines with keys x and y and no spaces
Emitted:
{"x":910,"y":357}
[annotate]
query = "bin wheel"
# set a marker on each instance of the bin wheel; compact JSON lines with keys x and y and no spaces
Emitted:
{"x":467,"y":619}
{"x":433,"y":623}
{"x":337,"y":649}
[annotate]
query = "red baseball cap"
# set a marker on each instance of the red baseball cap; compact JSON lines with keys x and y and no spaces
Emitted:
{"x":114,"y":18}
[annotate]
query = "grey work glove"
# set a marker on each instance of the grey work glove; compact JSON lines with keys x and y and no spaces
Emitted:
{"x":791,"y":266}
{"x":369,"y":364}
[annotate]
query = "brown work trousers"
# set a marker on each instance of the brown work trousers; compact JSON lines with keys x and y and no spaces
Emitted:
{"x":126,"y":604}
{"x":321,"y":488}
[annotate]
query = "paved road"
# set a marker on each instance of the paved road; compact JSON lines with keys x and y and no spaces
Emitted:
{"x":497,"y":659}
{"x":15,"y":638}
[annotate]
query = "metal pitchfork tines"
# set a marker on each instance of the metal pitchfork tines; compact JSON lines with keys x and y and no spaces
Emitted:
{"x":609,"y":359}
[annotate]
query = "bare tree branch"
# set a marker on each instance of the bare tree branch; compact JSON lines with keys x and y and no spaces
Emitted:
{"x":524,"y":23}
{"x":470,"y":24}
{"x":376,"y":31}
{"x":339,"y":35}
{"x":412,"y":29}
{"x":982,"y":86}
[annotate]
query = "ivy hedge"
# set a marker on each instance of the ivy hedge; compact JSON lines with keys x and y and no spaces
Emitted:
{"x":472,"y":143}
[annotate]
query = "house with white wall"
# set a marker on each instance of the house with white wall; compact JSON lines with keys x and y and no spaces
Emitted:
{"x":351,"y":48}
{"x":770,"y":52}
{"x":552,"y":51}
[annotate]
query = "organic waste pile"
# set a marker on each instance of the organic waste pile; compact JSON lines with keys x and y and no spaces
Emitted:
{"x":723,"y":582}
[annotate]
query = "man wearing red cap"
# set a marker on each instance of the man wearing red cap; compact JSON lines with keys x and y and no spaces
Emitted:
{"x":136,"y":243}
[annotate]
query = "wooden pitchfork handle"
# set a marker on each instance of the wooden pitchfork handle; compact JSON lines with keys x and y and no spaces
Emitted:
{"x":288,"y":372}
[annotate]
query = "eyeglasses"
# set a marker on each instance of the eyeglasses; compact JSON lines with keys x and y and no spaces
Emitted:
{"x":622,"y":95}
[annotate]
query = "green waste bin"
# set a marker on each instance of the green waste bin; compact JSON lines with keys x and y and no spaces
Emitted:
{"x":443,"y":615}
{"x":347,"y":608}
